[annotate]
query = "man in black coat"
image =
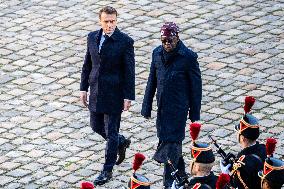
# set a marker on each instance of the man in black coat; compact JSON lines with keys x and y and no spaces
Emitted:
{"x":109,"y":71}
{"x":175,"y":74}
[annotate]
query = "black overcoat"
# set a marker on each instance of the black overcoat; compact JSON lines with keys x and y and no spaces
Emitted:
{"x":110,"y":74}
{"x":179,"y":92}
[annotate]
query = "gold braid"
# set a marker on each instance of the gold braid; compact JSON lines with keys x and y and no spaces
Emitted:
{"x":235,"y":170}
{"x":240,"y":178}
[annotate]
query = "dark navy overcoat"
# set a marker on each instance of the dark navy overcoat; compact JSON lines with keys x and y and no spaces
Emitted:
{"x":178,"y":89}
{"x":110,"y":74}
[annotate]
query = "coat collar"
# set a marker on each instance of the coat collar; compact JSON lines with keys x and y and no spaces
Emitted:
{"x":208,"y":178}
{"x":114,"y":36}
{"x":182,"y":49}
{"x":250,"y":149}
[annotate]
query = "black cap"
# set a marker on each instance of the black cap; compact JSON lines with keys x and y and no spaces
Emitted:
{"x":138,"y":181}
{"x":248,"y":127}
{"x":202,"y":153}
{"x":273,"y":171}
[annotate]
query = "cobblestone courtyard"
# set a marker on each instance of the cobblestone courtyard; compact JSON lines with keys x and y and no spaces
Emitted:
{"x":45,"y":138}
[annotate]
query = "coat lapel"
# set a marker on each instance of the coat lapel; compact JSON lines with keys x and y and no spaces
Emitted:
{"x":96,"y":41}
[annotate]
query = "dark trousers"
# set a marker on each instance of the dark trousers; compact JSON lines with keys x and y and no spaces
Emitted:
{"x":170,"y":151}
{"x":167,"y":177}
{"x":107,"y":125}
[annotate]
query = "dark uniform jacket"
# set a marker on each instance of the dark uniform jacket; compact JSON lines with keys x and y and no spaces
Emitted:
{"x":110,"y":73}
{"x":210,"y":180}
{"x":257,"y":149}
{"x":255,"y":157}
{"x":179,"y":91}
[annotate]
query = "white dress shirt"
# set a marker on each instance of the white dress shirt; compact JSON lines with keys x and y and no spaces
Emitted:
{"x":103,"y":39}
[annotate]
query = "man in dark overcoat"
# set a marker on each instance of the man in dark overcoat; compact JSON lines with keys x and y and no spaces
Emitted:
{"x":109,"y":71}
{"x":175,"y":74}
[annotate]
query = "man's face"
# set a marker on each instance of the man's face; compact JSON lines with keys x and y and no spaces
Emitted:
{"x":238,"y":137}
{"x":169,"y":43}
{"x":193,"y":168}
{"x":241,"y":140}
{"x":108,"y":22}
{"x":265,"y":185}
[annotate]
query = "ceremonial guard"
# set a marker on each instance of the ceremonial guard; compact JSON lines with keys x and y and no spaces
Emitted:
{"x":248,"y":132}
{"x":223,"y":182}
{"x":138,"y":181}
{"x":251,"y":158}
{"x":272,"y":175}
{"x":200,"y":168}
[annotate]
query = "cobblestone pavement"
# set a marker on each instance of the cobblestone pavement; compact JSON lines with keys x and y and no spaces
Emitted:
{"x":46,"y":141}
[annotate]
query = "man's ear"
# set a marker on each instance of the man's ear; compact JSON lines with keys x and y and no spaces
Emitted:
{"x":197,"y":167}
{"x":243,"y":139}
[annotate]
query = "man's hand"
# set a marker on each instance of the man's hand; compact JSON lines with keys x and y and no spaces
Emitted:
{"x":83,"y":98}
{"x":127,"y":104}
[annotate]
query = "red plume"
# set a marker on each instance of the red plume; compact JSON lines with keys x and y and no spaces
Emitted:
{"x":222,"y":181}
{"x":270,"y":146}
{"x":87,"y":185}
{"x":249,"y":102}
{"x":194,"y":130}
{"x":138,"y":160}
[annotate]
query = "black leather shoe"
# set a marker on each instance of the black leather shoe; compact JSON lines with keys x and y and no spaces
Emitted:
{"x":103,"y":178}
{"x":122,"y":150}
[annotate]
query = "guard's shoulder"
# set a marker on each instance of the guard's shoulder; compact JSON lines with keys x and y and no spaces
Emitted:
{"x":260,"y":147}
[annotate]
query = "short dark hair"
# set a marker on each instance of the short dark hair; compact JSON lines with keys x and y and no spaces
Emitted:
{"x":273,"y":185}
{"x":107,"y":10}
